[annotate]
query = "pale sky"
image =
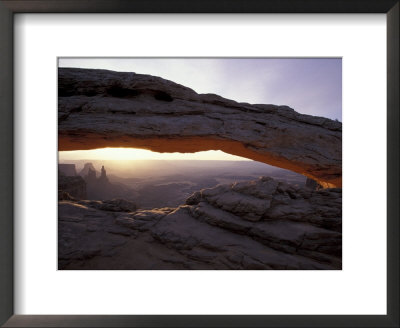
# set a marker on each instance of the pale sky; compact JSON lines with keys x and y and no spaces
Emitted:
{"x":309,"y":85}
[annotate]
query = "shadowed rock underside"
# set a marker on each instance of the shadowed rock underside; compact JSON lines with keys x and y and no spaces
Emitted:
{"x":100,"y":108}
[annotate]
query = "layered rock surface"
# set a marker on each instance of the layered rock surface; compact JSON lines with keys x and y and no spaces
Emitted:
{"x":99,"y":108}
{"x":262,"y":224}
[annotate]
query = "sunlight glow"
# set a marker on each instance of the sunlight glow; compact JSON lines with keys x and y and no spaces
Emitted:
{"x":142,"y":154}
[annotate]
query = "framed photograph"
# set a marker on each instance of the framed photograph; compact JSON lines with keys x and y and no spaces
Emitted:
{"x":171,"y":164}
{"x":155,"y":176}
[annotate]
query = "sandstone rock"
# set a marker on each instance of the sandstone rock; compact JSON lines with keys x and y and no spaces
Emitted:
{"x":268,"y":199}
{"x":86,"y":168}
{"x":181,"y":231}
{"x":63,"y":195}
{"x":100,"y":188}
{"x":103,"y":176}
{"x":67,"y":169}
{"x":85,"y":232}
{"x":289,"y":228}
{"x":312,"y":184}
{"x":142,"y":219}
{"x":308,"y":228}
{"x":74,"y":186}
{"x":99,"y":108}
{"x":113,"y":205}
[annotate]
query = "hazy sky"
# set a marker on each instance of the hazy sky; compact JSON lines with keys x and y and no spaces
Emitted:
{"x":132,"y":154}
{"x":309,"y":85}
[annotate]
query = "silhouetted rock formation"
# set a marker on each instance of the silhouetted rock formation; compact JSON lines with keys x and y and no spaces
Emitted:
{"x":262,"y":224}
{"x":85,"y":171}
{"x":99,"y":108}
{"x":67,"y":169}
{"x":91,"y":178}
{"x":71,"y":187}
{"x":100,"y":188}
{"x":103,"y":176}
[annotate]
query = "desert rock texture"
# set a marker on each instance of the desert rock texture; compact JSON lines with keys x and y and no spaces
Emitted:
{"x":100,"y":108}
{"x":260,"y":224}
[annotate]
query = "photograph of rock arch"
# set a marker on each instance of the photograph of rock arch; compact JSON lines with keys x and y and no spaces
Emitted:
{"x":199,"y":163}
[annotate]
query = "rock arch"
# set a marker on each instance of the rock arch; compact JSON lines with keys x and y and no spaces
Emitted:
{"x":100,"y":108}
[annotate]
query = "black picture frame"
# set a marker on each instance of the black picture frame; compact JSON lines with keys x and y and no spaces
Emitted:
{"x":10,"y":7}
